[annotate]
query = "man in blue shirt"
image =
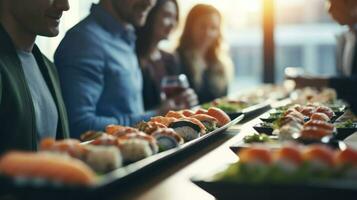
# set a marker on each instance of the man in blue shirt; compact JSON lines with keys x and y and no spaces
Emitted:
{"x":99,"y":71}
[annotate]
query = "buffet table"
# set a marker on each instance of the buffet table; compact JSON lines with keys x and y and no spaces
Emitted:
{"x":174,"y":182}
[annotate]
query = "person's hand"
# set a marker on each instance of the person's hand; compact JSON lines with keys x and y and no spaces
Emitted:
{"x":185,"y":100}
{"x":301,"y":82}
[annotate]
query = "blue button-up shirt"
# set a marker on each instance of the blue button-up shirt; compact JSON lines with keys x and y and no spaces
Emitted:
{"x":100,"y":75}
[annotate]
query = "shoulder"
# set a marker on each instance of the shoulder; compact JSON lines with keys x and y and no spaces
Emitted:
{"x":87,"y":37}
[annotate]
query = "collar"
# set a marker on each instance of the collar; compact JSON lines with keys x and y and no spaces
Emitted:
{"x":112,"y":25}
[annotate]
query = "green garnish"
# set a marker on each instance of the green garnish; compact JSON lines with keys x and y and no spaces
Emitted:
{"x":256,"y":138}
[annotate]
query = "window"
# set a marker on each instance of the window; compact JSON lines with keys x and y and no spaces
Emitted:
{"x":305,"y":37}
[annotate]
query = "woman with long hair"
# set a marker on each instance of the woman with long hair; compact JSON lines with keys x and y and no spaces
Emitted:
{"x":202,"y":55}
{"x":156,"y":63}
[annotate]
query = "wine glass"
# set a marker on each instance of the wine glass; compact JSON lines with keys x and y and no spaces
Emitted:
{"x":172,"y":86}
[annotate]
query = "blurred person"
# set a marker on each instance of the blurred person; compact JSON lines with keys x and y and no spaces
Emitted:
{"x":345,"y":13}
{"x":156,"y":63}
{"x":99,"y":71}
{"x":203,"y":60}
{"x":31,"y":105}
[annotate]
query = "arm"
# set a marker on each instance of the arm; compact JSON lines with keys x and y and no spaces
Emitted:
{"x":346,"y":87}
{"x":80,"y":62}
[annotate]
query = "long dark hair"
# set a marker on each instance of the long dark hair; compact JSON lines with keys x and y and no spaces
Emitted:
{"x":145,"y":33}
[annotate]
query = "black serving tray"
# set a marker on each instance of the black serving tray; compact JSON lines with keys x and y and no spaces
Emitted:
{"x":251,"y":111}
{"x":343,"y":133}
{"x":262,"y":128}
{"x":327,"y":190}
{"x":110,"y":182}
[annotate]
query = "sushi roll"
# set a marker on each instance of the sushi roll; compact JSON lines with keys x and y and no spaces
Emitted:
{"x":163,"y":120}
{"x":320,"y":116}
{"x":201,"y":111}
{"x":136,"y":146}
{"x":197,"y":122}
{"x":103,"y":158}
{"x":346,"y":161}
{"x":149,"y":127}
{"x":167,"y":138}
{"x":90,"y":135}
{"x":319,"y":158}
{"x":255,"y":157}
{"x":187,"y":113}
{"x":289,"y":159}
{"x":49,"y":166}
{"x":105,"y":140}
{"x":209,"y":122}
{"x":175,"y":114}
{"x":186,"y":129}
{"x":220,"y":115}
{"x":71,"y":147}
{"x":117,"y":130}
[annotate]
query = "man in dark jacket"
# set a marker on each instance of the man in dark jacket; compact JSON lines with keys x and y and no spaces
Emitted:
{"x":31,"y":105}
{"x":345,"y":13}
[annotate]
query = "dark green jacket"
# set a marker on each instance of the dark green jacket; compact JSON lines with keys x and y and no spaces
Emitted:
{"x":17,"y":115}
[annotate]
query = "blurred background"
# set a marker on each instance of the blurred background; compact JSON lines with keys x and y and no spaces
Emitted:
{"x":304,"y":36}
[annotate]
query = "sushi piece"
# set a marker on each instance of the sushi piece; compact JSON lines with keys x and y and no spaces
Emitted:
{"x":319,"y":157}
{"x":288,"y":158}
{"x":149,"y":127}
{"x":103,"y":158}
{"x":220,"y":115}
{"x":187,"y":113}
{"x":90,"y":135}
{"x":117,"y":130}
{"x":320,"y":116}
{"x":320,"y":124}
{"x":175,"y":114}
{"x":105,"y":140}
{"x":167,"y":138}
{"x":197,"y":122}
{"x":314,"y":133}
{"x":163,"y":120}
{"x":136,"y":146}
{"x":346,"y":161}
{"x":255,"y":157}
{"x":308,"y":111}
{"x":71,"y":147}
{"x":209,"y":122}
{"x":186,"y":129}
{"x":201,"y":111}
{"x":49,"y":166}
{"x":288,"y":131}
{"x":326,"y":110}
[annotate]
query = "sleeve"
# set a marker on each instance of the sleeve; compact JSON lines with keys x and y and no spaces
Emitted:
{"x":80,"y":62}
{"x":345,"y":87}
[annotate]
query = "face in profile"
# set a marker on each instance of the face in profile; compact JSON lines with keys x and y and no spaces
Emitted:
{"x":165,"y":20}
{"x":206,"y":30}
{"x":340,"y":11}
{"x":133,"y":11}
{"x":39,"y":17}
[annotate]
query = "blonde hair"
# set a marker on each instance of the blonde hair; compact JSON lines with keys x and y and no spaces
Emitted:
{"x":221,"y":67}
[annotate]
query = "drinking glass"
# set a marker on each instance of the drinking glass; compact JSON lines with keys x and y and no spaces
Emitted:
{"x":172,"y":86}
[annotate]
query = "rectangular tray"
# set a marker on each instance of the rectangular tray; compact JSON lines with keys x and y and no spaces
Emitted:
{"x":113,"y":181}
{"x":330,"y":190}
